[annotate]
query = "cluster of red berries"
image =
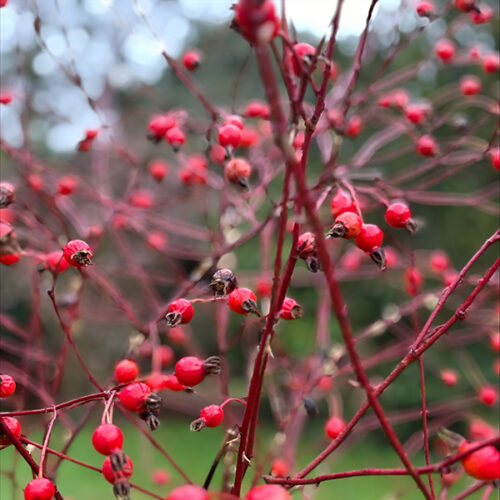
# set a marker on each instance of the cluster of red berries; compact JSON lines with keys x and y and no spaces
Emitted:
{"x":86,"y":143}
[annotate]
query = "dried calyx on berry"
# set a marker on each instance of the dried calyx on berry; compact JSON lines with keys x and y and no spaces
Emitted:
{"x":151,"y":411}
{"x":306,"y":250}
{"x":311,"y":407}
{"x":117,"y":469}
{"x":347,"y":225}
{"x":7,"y":194}
{"x":179,"y":312}
{"x":223,"y":282}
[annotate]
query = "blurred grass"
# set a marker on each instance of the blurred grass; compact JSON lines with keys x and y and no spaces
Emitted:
{"x":194,"y":452}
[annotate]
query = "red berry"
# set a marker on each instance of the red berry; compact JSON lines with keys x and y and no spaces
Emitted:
{"x":7,"y":216}
{"x":217,"y":154}
{"x":449,"y":276}
{"x":304,"y":52}
{"x":160,"y":477}
{"x":415,"y":113}
{"x":249,"y":138}
{"x":165,"y":354}
{"x":494,"y":343}
{"x":7,"y":194}
{"x":425,"y":8}
{"x":5,"y":97}
{"x":191,"y":60}
{"x":495,"y":158}
{"x":237,"y":171}
{"x":156,"y":382}
{"x":439,"y":261}
{"x":354,"y":126}
{"x":397,"y":214}
{"x":176,"y":335}
{"x":480,"y":430}
{"x":445,"y":50}
{"x":413,"y":280}
{"x":491,"y":62}
{"x":449,"y":377}
{"x":263,"y":287}
{"x":9,"y":259}
{"x":235,"y":120}
{"x":347,"y":225}
{"x":14,"y":426}
{"x":257,"y":22}
{"x":465,"y":5}
{"x":35,"y":182}
{"x":175,"y":137}
{"x":157,"y":240}
{"x":212,"y":415}
{"x":391,"y":257}
{"x":141,"y":198}
{"x":190,"y":371}
{"x":195,"y":170}
{"x":133,"y":396}
{"x":257,"y":109}
{"x":188,"y":492}
{"x":179,"y":312}
{"x":77,"y":253}
{"x":91,"y":133}
{"x":123,"y":473}
{"x":280,"y":468}
{"x":39,"y":489}
{"x":342,"y":202}
{"x":290,"y":309}
{"x":483,"y":464}
{"x":325,"y":383}
{"x":173,"y":384}
{"x":483,"y":16}
{"x":426,"y":146}
{"x":55,"y":261}
{"x":268,"y":492}
{"x":242,"y":301}
{"x":306,"y":245}
{"x":107,"y":438}
{"x":159,"y":124}
{"x":450,"y":478}
{"x":67,"y":184}
{"x":370,"y":238}
{"x":229,"y":135}
{"x":158,"y":169}
{"x":470,"y":85}
{"x":400,"y":98}
{"x":334,"y":427}
{"x":488,"y":395}
{"x":10,"y":251}
{"x":126,"y":370}
{"x":7,"y":386}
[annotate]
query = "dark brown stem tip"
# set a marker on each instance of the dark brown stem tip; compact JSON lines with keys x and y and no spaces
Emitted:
{"x":296,"y":312}
{"x":197,"y":425}
{"x":173,"y":318}
{"x":338,"y":230}
{"x":243,"y":183}
{"x":378,"y":256}
{"x":311,"y":407}
{"x":212,"y":365}
{"x":411,"y":226}
{"x":313,"y":264}
{"x":121,"y":490}
{"x":152,"y":421}
{"x":249,"y":306}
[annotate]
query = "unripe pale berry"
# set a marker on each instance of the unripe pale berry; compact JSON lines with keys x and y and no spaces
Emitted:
{"x":483,"y":464}
{"x":124,"y":472}
{"x":242,"y":301}
{"x":77,"y":253}
{"x":7,"y":386}
{"x":290,"y":309}
{"x":445,"y":50}
{"x":179,"y":312}
{"x":107,"y":438}
{"x":160,"y":477}
{"x":133,"y":396}
{"x":126,"y":370}
{"x":268,"y":492}
{"x":188,"y":492}
{"x":470,"y":85}
{"x":191,"y":60}
{"x":39,"y":489}
{"x":398,"y":215}
{"x":229,"y":135}
{"x":14,"y":427}
{"x":334,"y":427}
{"x":426,"y":146}
{"x":35,"y":182}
